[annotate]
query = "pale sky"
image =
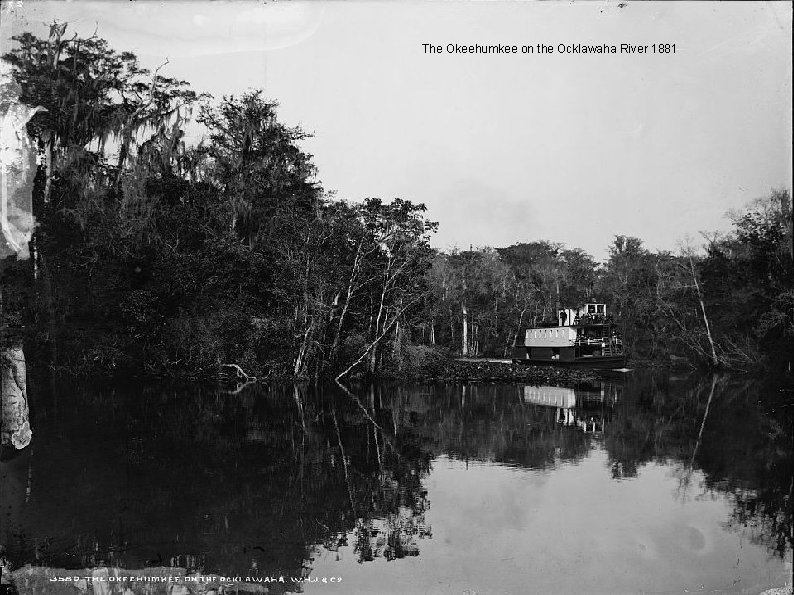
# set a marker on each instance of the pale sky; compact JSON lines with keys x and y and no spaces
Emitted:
{"x":569,"y":147}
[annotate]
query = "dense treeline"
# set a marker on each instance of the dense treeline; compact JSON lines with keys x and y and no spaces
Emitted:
{"x":152,"y":256}
{"x":732,"y":306}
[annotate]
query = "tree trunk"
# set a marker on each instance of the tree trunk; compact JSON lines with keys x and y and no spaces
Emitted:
{"x":788,"y":218}
{"x":371,"y":349}
{"x":397,"y":347}
{"x":349,"y":296}
{"x":714,"y":359}
{"x":465,"y":338}
{"x":558,"y":298}
{"x":373,"y":360}
{"x":300,"y":360}
{"x":15,"y":431}
{"x":510,"y":344}
{"x":16,"y":185}
{"x":48,"y":148}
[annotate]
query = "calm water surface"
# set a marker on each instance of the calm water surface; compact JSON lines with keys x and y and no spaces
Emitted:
{"x":643,"y":484}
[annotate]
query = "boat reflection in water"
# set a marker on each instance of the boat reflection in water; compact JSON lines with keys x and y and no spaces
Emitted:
{"x":587,"y":408}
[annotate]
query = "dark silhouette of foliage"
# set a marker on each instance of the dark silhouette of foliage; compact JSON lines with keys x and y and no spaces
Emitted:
{"x":157,"y":258}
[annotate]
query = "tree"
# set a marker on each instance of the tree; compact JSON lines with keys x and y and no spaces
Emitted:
{"x":267,"y":180}
{"x":91,"y":94}
{"x":747,"y":276}
{"x":397,"y":242}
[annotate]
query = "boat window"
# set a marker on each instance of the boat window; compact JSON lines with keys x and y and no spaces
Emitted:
{"x":591,"y":308}
{"x":600,"y":308}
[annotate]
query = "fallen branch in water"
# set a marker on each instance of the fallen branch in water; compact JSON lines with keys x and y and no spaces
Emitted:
{"x":235,"y":372}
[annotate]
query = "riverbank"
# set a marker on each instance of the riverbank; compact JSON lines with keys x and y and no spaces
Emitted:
{"x":439,"y":370}
{"x":495,"y":370}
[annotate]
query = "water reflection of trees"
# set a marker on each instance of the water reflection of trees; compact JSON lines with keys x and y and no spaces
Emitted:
{"x":253,"y":483}
{"x":484,"y":423}
{"x":246,"y":484}
{"x":736,"y":433}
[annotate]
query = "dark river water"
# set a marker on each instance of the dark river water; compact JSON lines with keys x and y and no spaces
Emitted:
{"x":641,"y":484}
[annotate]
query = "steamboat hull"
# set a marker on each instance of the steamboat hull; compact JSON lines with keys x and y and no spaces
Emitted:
{"x":609,"y":362}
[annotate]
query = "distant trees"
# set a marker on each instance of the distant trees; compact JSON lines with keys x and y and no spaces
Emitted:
{"x":482,"y":299}
{"x":730,"y":307}
{"x":468,"y":289}
{"x":628,"y":282}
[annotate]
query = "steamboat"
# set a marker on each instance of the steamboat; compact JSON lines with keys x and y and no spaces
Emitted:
{"x":583,"y":337}
{"x":588,"y":407}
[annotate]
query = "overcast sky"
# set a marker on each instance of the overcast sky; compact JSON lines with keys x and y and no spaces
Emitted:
{"x":566,"y":147}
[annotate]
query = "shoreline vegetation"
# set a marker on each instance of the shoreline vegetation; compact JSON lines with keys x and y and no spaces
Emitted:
{"x":443,"y":369}
{"x":478,"y":370}
{"x":155,"y":258}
